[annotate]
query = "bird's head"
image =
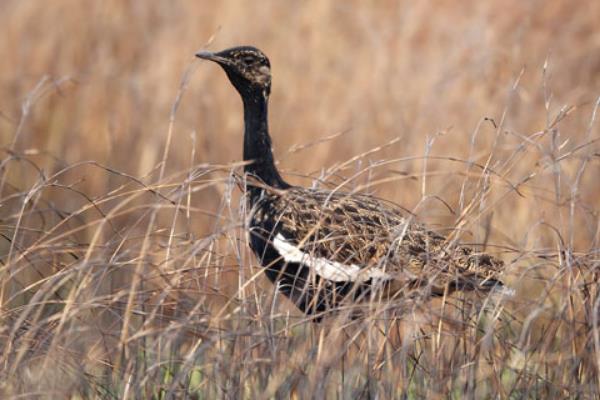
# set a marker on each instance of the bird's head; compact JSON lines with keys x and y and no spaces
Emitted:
{"x":247,"y":67}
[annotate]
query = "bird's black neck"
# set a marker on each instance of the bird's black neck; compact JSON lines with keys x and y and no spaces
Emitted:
{"x":257,"y":142}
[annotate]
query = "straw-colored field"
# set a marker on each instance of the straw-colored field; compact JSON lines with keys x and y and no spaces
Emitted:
{"x":124,"y":268}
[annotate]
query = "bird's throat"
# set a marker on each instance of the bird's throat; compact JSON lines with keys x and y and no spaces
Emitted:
{"x":257,"y":142}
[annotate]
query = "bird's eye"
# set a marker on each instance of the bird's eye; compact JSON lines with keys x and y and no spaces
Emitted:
{"x":248,"y":60}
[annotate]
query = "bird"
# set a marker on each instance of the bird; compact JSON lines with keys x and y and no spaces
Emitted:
{"x":326,"y":250}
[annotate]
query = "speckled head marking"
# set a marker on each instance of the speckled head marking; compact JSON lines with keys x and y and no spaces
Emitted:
{"x":247,"y":67}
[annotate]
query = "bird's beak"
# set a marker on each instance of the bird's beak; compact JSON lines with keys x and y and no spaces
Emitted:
{"x":207,"y":55}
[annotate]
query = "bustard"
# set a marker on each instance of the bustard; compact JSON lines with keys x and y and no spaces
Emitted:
{"x":323,"y":249}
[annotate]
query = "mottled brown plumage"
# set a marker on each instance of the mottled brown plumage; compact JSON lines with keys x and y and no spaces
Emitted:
{"x":366,"y":231}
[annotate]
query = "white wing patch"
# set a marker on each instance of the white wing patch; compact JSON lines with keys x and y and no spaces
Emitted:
{"x":327,"y":269}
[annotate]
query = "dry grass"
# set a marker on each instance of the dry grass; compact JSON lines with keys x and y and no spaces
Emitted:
{"x":124,"y":268}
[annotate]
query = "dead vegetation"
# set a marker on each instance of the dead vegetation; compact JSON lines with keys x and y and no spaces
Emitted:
{"x":125,"y":271}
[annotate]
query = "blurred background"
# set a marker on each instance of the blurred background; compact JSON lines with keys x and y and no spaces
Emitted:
{"x":475,"y":115}
{"x":108,"y":74}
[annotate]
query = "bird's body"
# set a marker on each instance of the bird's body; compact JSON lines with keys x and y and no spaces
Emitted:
{"x":323,"y":249}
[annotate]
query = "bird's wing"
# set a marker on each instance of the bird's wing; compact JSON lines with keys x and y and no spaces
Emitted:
{"x":349,"y":237}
